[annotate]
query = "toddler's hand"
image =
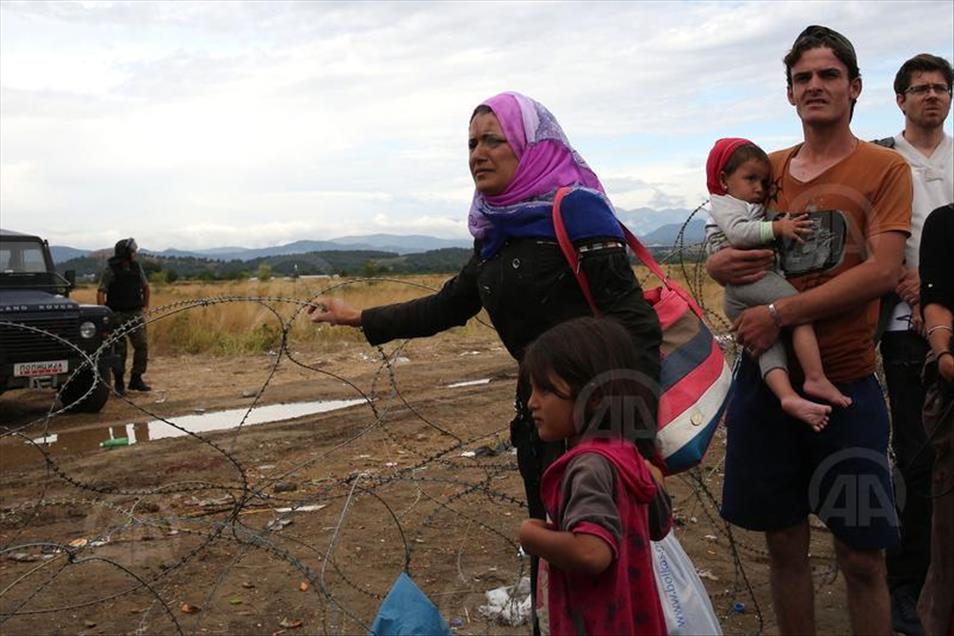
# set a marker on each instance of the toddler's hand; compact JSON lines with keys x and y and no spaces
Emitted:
{"x":797,"y":228}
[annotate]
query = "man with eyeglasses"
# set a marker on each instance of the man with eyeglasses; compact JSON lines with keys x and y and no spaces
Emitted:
{"x":923,"y":92}
{"x":777,"y":470}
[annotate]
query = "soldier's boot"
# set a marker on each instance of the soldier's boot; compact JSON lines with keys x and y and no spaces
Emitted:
{"x":118,"y":384}
{"x":136,"y":383}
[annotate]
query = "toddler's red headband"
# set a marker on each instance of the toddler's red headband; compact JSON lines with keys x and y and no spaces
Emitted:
{"x":718,"y":157}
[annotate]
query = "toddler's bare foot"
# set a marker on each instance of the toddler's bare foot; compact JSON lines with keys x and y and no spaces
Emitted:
{"x":812,"y":413}
{"x":823,"y":389}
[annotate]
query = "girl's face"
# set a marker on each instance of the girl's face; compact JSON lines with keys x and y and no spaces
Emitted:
{"x":749,"y":182}
{"x":552,"y":410}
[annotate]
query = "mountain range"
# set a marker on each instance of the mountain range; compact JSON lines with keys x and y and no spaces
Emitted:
{"x":655,"y":228}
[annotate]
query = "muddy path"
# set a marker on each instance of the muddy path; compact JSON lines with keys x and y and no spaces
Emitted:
{"x":300,"y":525}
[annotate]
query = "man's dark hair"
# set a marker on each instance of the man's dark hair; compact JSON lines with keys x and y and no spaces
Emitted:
{"x":742,"y":154}
{"x":599,"y":362}
{"x":816,"y":36}
{"x":922,"y":63}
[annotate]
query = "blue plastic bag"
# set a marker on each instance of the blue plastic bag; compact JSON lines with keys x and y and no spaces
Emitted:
{"x":406,"y":611}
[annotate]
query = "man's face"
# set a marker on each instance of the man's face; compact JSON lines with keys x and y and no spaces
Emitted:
{"x":926,"y":108}
{"x":821,"y":91}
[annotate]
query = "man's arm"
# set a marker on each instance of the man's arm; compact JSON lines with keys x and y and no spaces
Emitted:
{"x":873,"y":278}
{"x":144,"y":285}
{"x":876,"y":276}
{"x":731,"y":266}
{"x":909,"y":290}
{"x":939,"y":321}
{"x":104,"y":280}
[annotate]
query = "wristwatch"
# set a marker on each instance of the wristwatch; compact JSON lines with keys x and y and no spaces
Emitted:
{"x":773,"y":312}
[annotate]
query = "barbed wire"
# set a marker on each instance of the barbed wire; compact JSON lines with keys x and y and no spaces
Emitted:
{"x":454,"y":493}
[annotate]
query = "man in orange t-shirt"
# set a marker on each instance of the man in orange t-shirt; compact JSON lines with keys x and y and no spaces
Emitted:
{"x":778,"y":471}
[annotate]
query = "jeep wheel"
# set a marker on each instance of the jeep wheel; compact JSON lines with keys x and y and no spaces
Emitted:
{"x":78,"y":387}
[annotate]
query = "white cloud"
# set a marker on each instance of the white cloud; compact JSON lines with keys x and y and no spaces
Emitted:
{"x":194,"y":124}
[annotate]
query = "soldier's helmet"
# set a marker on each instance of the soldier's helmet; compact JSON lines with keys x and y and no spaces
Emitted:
{"x":125,"y":247}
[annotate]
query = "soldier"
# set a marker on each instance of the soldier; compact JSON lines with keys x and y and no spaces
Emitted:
{"x":124,"y":288}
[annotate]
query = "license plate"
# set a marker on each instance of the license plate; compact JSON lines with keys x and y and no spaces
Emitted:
{"x":40,"y":369}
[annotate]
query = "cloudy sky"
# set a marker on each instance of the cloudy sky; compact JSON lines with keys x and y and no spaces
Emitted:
{"x":194,"y":124}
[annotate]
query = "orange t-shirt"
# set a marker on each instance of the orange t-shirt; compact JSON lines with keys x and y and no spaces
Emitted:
{"x":872,"y":188}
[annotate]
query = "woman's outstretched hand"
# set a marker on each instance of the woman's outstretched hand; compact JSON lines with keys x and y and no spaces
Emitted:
{"x":334,"y":311}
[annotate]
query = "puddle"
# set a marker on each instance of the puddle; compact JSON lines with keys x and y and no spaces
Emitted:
{"x":467,"y":383}
{"x":69,"y":442}
{"x":221,"y":420}
{"x":308,"y":508}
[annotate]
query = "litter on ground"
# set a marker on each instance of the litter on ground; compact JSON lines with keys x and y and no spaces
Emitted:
{"x":509,"y":604}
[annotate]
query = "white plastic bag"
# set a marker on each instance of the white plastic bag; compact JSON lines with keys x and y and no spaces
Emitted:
{"x":509,"y":605}
{"x":683,"y":597}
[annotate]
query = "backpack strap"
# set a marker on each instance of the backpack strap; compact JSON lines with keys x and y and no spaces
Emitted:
{"x":569,"y":252}
{"x":643,"y":254}
{"x":646,"y":257}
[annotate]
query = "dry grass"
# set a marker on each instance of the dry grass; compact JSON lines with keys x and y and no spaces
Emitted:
{"x":229,"y":325}
{"x":246,"y":326}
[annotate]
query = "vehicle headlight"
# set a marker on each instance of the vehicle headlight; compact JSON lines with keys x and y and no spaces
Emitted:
{"x":87,"y":329}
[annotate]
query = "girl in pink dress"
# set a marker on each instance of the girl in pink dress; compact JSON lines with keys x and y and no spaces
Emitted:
{"x":588,"y":392}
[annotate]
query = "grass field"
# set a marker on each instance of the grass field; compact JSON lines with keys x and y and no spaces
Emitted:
{"x":235,"y":323}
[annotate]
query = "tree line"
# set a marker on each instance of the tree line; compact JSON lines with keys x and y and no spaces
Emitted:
{"x":333,"y":262}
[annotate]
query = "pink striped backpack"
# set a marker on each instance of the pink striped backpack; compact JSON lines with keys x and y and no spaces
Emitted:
{"x":694,"y":379}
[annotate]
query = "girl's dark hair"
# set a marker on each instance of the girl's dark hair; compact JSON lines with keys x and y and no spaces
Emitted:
{"x":742,"y":154}
{"x":599,"y":362}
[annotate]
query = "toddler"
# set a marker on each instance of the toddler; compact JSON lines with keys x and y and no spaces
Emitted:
{"x":739,"y":177}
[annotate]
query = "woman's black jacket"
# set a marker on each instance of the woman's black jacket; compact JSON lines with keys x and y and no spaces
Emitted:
{"x":527,"y":287}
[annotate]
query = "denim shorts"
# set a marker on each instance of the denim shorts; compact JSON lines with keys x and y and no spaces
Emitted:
{"x":778,"y":470}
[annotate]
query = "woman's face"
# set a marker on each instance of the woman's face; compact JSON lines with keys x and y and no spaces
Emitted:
{"x":492,"y":160}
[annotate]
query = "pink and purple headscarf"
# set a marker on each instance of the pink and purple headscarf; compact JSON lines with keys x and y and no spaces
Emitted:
{"x":546,"y":162}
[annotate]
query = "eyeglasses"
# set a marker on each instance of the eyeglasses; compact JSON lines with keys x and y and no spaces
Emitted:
{"x":924,"y":89}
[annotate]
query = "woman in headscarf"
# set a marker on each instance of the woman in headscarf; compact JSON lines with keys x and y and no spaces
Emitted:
{"x":519,"y":158}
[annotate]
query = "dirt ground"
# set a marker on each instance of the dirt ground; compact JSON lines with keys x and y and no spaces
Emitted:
{"x":182,"y":534}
